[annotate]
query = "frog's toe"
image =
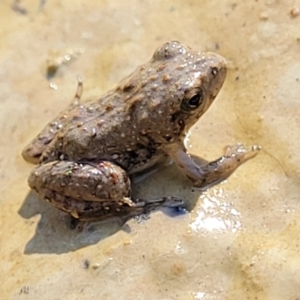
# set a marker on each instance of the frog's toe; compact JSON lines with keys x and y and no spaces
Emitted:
{"x":172,"y":201}
{"x":162,"y":202}
{"x":76,"y":224}
{"x":240,"y":152}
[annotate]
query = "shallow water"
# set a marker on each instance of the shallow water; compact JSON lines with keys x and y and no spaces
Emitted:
{"x":241,"y":239}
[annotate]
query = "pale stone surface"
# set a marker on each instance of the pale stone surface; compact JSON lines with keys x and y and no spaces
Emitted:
{"x":241,"y":239}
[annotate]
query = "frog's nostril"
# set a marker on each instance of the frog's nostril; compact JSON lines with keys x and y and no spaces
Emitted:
{"x":214,"y":71}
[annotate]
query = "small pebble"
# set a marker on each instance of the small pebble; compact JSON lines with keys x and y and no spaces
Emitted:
{"x":294,"y":12}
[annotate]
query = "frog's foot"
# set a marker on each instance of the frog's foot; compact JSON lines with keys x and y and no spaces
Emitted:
{"x":152,"y":205}
{"x":139,"y":209}
{"x":164,"y":201}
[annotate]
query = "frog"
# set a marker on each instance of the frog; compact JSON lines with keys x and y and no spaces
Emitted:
{"x":87,"y":156}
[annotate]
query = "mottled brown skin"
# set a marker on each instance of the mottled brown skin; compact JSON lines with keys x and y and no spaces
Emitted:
{"x":128,"y":130}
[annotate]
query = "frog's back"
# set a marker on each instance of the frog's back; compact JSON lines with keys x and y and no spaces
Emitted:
{"x":129,"y":124}
{"x":116,"y":126}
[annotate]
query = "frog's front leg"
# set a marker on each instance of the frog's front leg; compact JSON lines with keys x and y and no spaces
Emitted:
{"x":91,"y":191}
{"x":211,"y":173}
{"x":36,"y":147}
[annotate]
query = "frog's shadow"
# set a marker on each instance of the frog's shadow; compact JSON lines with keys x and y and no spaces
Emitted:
{"x":53,"y":233}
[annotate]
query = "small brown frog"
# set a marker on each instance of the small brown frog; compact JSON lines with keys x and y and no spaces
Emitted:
{"x":88,"y":153}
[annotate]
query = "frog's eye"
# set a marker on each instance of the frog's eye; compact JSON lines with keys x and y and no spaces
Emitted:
{"x":193,"y":101}
{"x":196,"y":100}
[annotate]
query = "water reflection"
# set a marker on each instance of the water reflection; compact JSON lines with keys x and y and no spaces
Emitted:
{"x":215,"y":213}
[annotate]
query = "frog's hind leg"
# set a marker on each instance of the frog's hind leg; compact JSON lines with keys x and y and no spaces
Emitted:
{"x":81,"y":189}
{"x":33,"y":152}
{"x":91,"y":192}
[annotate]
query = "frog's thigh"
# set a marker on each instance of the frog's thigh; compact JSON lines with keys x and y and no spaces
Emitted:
{"x":60,"y":180}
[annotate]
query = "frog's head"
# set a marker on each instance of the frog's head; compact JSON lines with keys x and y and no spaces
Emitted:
{"x":194,"y":82}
